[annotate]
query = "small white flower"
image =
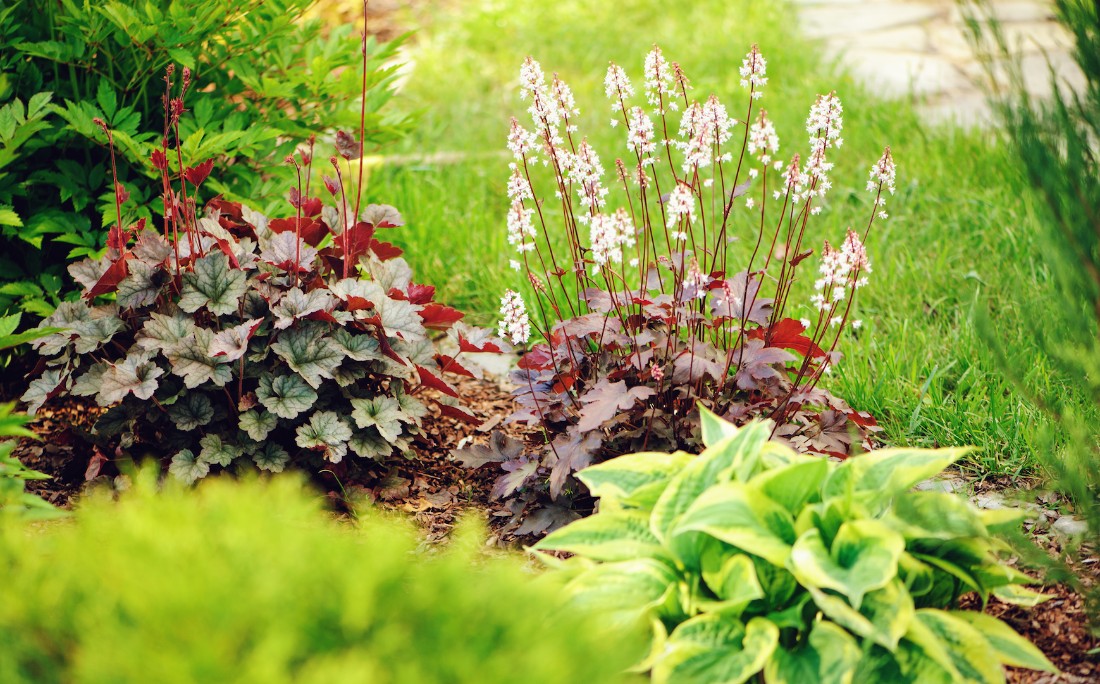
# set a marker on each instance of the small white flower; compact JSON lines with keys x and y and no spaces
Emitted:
{"x":514,"y":265}
{"x":680,"y":206}
{"x":617,"y":85}
{"x":514,"y":324}
{"x":750,"y":202}
{"x":754,"y":70}
{"x":609,"y":234}
{"x":883,"y":173}
{"x":658,"y":81}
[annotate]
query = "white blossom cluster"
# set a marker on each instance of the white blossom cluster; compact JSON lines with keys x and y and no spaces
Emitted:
{"x":658,"y":82}
{"x":883,"y":174}
{"x":640,"y":136}
{"x":585,"y":170}
{"x":680,"y":206}
{"x":838,"y":268}
{"x":754,"y":72}
{"x":514,"y":324}
{"x":609,"y":234}
{"x":763,"y":142}
{"x":824,"y":124}
{"x":519,"y":216}
{"x":617,"y":85}
{"x":704,"y":129}
{"x":522,"y":143}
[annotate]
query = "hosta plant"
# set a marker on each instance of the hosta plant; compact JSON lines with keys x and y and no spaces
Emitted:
{"x":639,"y":311}
{"x":234,"y":336}
{"x":752,"y":560}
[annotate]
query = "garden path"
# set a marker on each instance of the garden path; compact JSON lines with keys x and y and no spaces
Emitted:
{"x":920,"y":49}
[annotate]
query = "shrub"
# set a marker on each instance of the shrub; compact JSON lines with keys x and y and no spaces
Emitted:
{"x":253,"y":582}
{"x":751,"y":558}
{"x":14,"y":500}
{"x":265,"y":80}
{"x":232,"y":335}
{"x":649,"y":318}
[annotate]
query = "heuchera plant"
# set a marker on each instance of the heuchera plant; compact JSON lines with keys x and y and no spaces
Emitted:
{"x":647,"y":317}
{"x":753,"y":561}
{"x":232,"y":335}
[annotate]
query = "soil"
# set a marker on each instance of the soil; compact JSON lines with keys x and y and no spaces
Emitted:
{"x":436,"y":491}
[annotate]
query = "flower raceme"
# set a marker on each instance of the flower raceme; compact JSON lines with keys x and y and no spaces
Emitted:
{"x":641,"y":315}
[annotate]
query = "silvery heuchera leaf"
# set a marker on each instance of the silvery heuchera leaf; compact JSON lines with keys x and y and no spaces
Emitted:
{"x":271,"y":457}
{"x":358,"y":347}
{"x":136,"y":374}
{"x":190,"y":360}
{"x":326,"y":431}
{"x":382,"y":216}
{"x":381,"y":413}
{"x":87,"y":272}
{"x":282,"y":249}
{"x":192,"y":410}
{"x":421,"y":352}
{"x":606,"y":399}
{"x":216,"y":452}
{"x":258,"y":424}
{"x":142,"y":285}
{"x":87,"y":385}
{"x":40,"y":389}
{"x":412,"y":409}
{"x":163,"y":332}
{"x":151,"y":248}
{"x":257,"y":220}
{"x":213,"y":284}
{"x":757,"y":363}
{"x":370,"y":445}
{"x":309,"y":352}
{"x":347,"y":375}
{"x":392,"y":274}
{"x":187,"y":468}
{"x":97,"y":331}
{"x":286,"y":395}
{"x":64,"y":316}
{"x":297,"y":304}
{"x":357,"y":292}
{"x":400,"y":318}
{"x":231,"y":343}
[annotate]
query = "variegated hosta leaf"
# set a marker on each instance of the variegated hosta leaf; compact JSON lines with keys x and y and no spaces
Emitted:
{"x":163,"y":332}
{"x":136,"y":374}
{"x":713,"y":649}
{"x":213,"y":284}
{"x":40,"y":389}
{"x":742,"y":516}
{"x":216,"y":452}
{"x":957,"y":646}
{"x":231,"y":343}
{"x":633,"y":479}
{"x":187,"y":467}
{"x":884,"y":616}
{"x":271,"y":457}
{"x":192,"y":410}
{"x":381,"y":413}
{"x":309,"y":352}
{"x":297,"y":304}
{"x":864,"y":557}
{"x":286,"y":395}
{"x":258,"y":424}
{"x":142,"y":285}
{"x":617,"y":536}
{"x":829,"y":656}
{"x":326,"y":431}
{"x":191,"y":360}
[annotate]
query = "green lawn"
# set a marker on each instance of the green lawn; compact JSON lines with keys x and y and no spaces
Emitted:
{"x":959,"y":235}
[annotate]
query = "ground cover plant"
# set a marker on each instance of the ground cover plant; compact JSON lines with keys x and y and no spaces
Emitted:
{"x":264,"y":81}
{"x":960,"y":230}
{"x":250,"y":581}
{"x":751,"y":560}
{"x":645,"y":317}
{"x":234,"y":337}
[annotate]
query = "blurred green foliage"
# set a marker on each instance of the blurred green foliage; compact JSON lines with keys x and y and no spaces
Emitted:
{"x":253,"y":582}
{"x":264,"y":81}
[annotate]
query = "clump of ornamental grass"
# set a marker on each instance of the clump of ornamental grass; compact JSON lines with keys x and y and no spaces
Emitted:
{"x":225,"y":336}
{"x":638,"y":315}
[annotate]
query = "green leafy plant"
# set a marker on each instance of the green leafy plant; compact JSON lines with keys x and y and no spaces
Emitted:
{"x":753,"y":560}
{"x":249,"y":581}
{"x":234,"y":335}
{"x":14,"y":499}
{"x":265,"y":80}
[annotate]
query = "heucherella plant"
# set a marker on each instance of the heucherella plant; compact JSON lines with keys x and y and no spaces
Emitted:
{"x":752,"y":560}
{"x":234,"y":337}
{"x":638,"y":314}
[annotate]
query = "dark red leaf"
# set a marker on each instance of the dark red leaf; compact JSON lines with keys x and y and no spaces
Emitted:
{"x":109,"y":281}
{"x":439,"y":317}
{"x":421,"y":294}
{"x":95,"y":464}
{"x":323,"y":316}
{"x":448,"y":364}
{"x":458,"y":413}
{"x":787,"y":334}
{"x":312,"y":231}
{"x":489,"y":346}
{"x":312,"y":207}
{"x":435,"y":382}
{"x":160,"y":161}
{"x":537,"y":359}
{"x":195,"y":175}
{"x":385,"y":251}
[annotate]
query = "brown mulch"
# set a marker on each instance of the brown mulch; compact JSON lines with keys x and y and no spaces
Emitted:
{"x":436,"y":491}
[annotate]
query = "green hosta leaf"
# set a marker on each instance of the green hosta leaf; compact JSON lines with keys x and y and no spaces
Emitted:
{"x":381,"y":413}
{"x":187,"y":468}
{"x":40,"y":389}
{"x":368,"y":445}
{"x":191,"y":361}
{"x":731,"y":575}
{"x":711,"y":649}
{"x":793,"y":486}
{"x":231,"y":343}
{"x":327,"y":432}
{"x":957,"y":646}
{"x":358,"y":347}
{"x":610,"y":536}
{"x":165,"y":332}
{"x":191,"y":411}
{"x":271,"y":457}
{"x":142,"y":285}
{"x":884,"y":616}
{"x":625,"y":591}
{"x":216,"y":452}
{"x":286,"y":395}
{"x":864,"y":557}
{"x":634,"y":480}
{"x":309,"y":352}
{"x":829,"y":656}
{"x":880,"y":475}
{"x":1011,"y":648}
{"x":297,"y":304}
{"x":1020,"y":596}
{"x":213,"y":284}
{"x":742,"y":516}
{"x":713,"y":428}
{"x":258,"y":424}
{"x":135,"y":374}
{"x":936,"y":515}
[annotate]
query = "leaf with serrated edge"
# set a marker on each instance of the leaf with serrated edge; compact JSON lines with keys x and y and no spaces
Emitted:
{"x":325,"y":431}
{"x":258,"y":424}
{"x":231,"y":343}
{"x":271,"y":457}
{"x":216,"y":452}
{"x":140,"y":287}
{"x":286,"y":395}
{"x":296,"y":304}
{"x":190,"y":360}
{"x":213,"y":284}
{"x":135,"y":374}
{"x":191,"y":411}
{"x":187,"y":468}
{"x":309,"y":352}
{"x":162,"y":332}
{"x":367,"y":445}
{"x":381,"y":413}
